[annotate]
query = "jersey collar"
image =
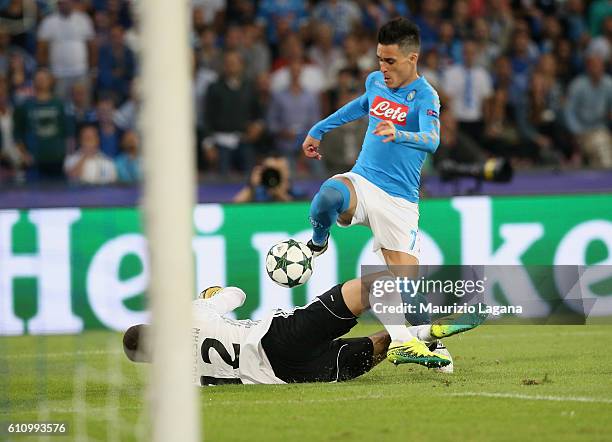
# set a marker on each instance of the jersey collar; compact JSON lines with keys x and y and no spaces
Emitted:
{"x":409,"y":86}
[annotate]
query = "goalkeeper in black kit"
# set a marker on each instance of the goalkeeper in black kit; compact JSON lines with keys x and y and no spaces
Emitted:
{"x":300,"y":345}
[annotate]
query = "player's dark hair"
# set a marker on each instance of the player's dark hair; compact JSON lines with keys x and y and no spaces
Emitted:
{"x":132,"y":340}
{"x":402,"y":32}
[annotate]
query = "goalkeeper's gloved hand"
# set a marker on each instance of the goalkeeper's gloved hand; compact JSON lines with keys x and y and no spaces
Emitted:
{"x":210,"y":292}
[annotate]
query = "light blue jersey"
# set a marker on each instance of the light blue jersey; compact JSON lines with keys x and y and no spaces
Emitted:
{"x":395,"y":167}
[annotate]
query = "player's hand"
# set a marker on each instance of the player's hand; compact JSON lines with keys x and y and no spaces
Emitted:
{"x":311,"y":147}
{"x":210,"y":292}
{"x":385,"y":129}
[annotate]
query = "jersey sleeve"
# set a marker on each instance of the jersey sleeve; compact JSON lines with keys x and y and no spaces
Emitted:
{"x":351,"y":111}
{"x":427,"y":138}
{"x":226,"y":300}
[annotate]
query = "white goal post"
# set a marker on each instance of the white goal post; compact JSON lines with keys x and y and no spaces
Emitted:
{"x":169,"y":196}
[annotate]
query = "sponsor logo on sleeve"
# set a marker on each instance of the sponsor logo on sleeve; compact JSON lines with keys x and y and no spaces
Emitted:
{"x":432,"y":113}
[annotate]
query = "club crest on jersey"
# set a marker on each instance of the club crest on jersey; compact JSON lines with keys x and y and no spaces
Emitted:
{"x":389,"y":110}
{"x":411,"y":95}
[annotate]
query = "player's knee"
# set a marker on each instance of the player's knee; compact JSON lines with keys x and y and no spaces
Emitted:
{"x":333,"y":196}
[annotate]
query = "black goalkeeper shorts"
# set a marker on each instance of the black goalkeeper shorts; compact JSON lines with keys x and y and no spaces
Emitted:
{"x":304,"y":345}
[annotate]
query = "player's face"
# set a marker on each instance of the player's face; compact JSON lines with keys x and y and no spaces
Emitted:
{"x":398,"y":67}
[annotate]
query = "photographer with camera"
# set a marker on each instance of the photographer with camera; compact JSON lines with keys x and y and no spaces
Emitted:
{"x":268,"y":182}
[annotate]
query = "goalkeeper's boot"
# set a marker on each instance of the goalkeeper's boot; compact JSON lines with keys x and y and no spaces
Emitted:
{"x":439,"y":348}
{"x":453,"y":324}
{"x":318,"y":250}
{"x":415,"y":352}
{"x":210,"y":292}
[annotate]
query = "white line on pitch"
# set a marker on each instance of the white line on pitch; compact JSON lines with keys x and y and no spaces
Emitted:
{"x":530,"y":335}
{"x":535,"y":397}
{"x":64,"y":354}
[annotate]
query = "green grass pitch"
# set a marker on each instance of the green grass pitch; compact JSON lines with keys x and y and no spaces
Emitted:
{"x":510,"y":383}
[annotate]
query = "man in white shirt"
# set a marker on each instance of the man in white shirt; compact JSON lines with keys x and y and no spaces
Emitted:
{"x":301,"y":345}
{"x":89,"y":165}
{"x":469,"y":87}
{"x":66,"y":43}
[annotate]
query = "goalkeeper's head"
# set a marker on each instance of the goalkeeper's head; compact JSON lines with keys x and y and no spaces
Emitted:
{"x":134,"y":344}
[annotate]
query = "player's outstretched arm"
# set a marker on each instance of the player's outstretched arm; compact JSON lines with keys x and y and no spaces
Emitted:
{"x":351,"y":111}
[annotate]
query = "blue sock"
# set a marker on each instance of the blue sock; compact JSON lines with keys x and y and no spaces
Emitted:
{"x":332,"y":199}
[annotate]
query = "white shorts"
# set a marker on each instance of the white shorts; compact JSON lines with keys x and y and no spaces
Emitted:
{"x":394,"y":221}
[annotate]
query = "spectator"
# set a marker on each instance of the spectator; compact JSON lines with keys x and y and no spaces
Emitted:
{"x":66,"y":42}
{"x":311,"y":77}
{"x":102,"y":28}
{"x":598,"y":11}
{"x":269,"y":181}
{"x":208,"y":54}
{"x":8,"y":150}
{"x":203,"y":78}
{"x":487,"y":49}
{"x":501,"y":134}
{"x":235,"y":124}
{"x":324,"y":53}
{"x":242,"y":11}
{"x":461,"y":19}
{"x":342,"y":145}
{"x":277,"y":15}
{"x":376,"y":13}
{"x":292,"y":113}
{"x":455,"y":145}
{"x":255,"y":51}
{"x":551,"y":34}
{"x":341,"y":15}
{"x":524,"y":54}
{"x":20,"y":82}
{"x":89,"y":165}
{"x":429,"y":22}
{"x":498,"y":15}
{"x":79,"y":109}
{"x":17,"y":18}
{"x":109,"y":133}
{"x":116,"y":66}
{"x":7,"y":50}
{"x":118,"y":12}
{"x":567,"y":65}
{"x":264,"y":145}
{"x":212,"y":11}
{"x":348,"y":85}
{"x":41,"y":129}
{"x":602,"y":45}
{"x":429,"y":67}
{"x":448,"y":47}
{"x":469,"y":88}
{"x":354,"y":58}
{"x":538,"y":114}
{"x":575,"y":23}
{"x":125,"y":118}
{"x":589,"y":112}
{"x":233,"y":40}
{"x":128,"y":162}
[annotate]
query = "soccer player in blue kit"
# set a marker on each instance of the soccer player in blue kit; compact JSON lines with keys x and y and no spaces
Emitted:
{"x":382,"y":189}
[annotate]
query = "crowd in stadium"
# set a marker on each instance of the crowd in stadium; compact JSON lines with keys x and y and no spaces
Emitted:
{"x":524,"y":79}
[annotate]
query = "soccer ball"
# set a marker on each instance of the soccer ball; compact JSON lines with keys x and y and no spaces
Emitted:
{"x":289,"y":263}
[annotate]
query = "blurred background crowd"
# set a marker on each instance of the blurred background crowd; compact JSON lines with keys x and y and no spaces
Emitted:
{"x":527,"y":80}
